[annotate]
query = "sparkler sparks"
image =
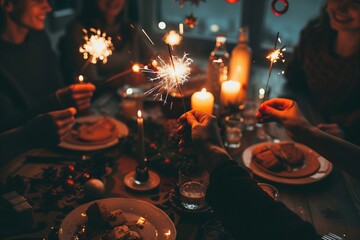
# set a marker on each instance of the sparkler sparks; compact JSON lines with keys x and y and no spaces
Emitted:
{"x":135,"y":69}
{"x":273,"y":57}
{"x":172,"y":38}
{"x":169,"y":77}
{"x":97,"y":46}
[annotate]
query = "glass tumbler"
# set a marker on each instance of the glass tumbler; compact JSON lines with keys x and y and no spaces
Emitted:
{"x":193,"y":182}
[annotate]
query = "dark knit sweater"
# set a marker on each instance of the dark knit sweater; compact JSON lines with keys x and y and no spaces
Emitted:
{"x":332,"y":82}
{"x":29,"y":76}
{"x":248,"y":212}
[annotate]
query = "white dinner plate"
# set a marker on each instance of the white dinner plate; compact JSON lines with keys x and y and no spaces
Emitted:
{"x":121,"y":127}
{"x":323,"y":171}
{"x":158,"y":225}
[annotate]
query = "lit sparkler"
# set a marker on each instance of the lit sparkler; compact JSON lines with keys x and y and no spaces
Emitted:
{"x":172,"y":38}
{"x":134,"y":69}
{"x":273,"y":57}
{"x":97,"y":46}
{"x":169,"y":76}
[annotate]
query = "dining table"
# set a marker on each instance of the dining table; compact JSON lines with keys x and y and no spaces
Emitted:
{"x":52,"y":180}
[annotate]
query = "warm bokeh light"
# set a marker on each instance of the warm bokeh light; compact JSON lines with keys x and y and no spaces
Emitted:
{"x":181,"y":28}
{"x":172,"y":38}
{"x":97,"y":46}
{"x":275,"y":55}
{"x":154,"y":63}
{"x":136,"y":67}
{"x":214,"y":28}
{"x":81,"y":79}
{"x":162,"y":25}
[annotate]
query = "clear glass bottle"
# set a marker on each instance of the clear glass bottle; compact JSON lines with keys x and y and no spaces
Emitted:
{"x":218,"y":69}
{"x":240,"y":63}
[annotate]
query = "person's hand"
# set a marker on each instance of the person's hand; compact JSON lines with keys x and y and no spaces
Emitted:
{"x":50,"y":128}
{"x":76,"y":95}
{"x":286,"y":112}
{"x":199,"y":131}
{"x":332,"y":129}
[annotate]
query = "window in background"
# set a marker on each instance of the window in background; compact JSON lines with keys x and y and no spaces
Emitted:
{"x":290,"y":24}
{"x":228,"y":18}
{"x":213,"y":16}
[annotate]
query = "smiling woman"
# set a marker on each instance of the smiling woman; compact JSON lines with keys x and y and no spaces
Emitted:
{"x":28,"y":14}
{"x":29,"y":76}
{"x":325,"y":66}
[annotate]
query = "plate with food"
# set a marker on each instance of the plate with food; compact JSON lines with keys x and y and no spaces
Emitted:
{"x":117,"y":218}
{"x":94,"y":133}
{"x":286,"y":162}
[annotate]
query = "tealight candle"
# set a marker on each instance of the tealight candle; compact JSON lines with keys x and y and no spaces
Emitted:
{"x":230,"y":91}
{"x":203,"y":101}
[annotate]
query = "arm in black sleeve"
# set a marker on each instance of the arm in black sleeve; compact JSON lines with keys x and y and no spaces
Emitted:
{"x":250,"y":213}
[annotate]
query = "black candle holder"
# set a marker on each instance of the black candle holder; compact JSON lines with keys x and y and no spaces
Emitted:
{"x":141,"y":174}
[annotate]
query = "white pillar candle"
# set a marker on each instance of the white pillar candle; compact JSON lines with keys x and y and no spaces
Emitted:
{"x":140,"y":124}
{"x":203,"y":101}
{"x":230,"y":92}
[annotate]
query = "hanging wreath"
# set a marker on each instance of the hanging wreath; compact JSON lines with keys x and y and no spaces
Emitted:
{"x":279,"y":12}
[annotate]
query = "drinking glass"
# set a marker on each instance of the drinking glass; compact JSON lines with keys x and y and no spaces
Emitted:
{"x":234,"y":125}
{"x":249,"y":113}
{"x":270,"y":189}
{"x":193,"y":182}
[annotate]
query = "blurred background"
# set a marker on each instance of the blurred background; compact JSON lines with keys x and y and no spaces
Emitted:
{"x":213,"y":17}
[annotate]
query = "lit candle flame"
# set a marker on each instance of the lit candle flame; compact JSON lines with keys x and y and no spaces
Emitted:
{"x":97,"y":46}
{"x":81,"y":78}
{"x":172,"y":38}
{"x":139,"y":113}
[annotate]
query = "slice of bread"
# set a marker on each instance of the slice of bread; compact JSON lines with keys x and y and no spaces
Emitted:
{"x":267,"y":159}
{"x":277,"y":157}
{"x":294,"y":156}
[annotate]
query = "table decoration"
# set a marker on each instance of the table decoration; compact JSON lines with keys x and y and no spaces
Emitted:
{"x":230,"y":93}
{"x":203,"y":101}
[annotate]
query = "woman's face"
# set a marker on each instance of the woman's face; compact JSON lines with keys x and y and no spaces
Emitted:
{"x":111,"y":8}
{"x":29,"y":13}
{"x":344,"y":14}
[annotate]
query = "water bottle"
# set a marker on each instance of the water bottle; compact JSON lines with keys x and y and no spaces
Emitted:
{"x":240,"y":63}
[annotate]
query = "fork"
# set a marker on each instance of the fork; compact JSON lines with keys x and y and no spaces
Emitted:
{"x":331,"y":236}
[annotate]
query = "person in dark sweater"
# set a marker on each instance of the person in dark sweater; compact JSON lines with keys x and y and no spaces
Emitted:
{"x":117,"y":18}
{"x":245,"y":210}
{"x":30,"y":80}
{"x":325,"y":68}
{"x":45,"y":130}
